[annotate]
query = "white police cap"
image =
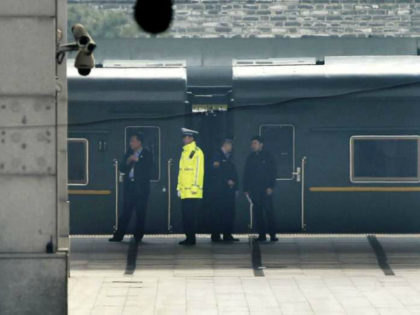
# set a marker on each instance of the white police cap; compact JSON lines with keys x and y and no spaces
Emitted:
{"x":189,"y":132}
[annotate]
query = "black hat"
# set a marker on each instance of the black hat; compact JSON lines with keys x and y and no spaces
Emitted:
{"x":258,"y":138}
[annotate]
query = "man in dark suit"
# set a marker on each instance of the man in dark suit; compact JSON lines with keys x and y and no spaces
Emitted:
{"x":136,"y":165}
{"x":259,"y":179}
{"x":223,"y":186}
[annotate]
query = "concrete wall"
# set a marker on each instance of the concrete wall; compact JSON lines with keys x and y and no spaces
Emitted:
{"x":32,"y":159}
{"x":284,"y":18}
{"x":33,"y":284}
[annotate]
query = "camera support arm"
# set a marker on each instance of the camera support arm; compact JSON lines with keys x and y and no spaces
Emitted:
{"x":61,"y":53}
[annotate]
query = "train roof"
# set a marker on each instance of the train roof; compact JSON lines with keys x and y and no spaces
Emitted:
{"x":254,"y":81}
{"x":273,"y":80}
{"x":130,"y":81}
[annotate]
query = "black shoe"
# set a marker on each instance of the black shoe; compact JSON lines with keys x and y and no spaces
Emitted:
{"x":115,"y":238}
{"x":230,"y":238}
{"x":273,"y":238}
{"x":261,"y":238}
{"x":187,"y":242}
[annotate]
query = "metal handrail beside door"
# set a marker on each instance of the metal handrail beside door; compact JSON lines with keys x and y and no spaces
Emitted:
{"x":116,"y":173}
{"x":170,"y":161}
{"x":302,"y":205}
{"x":251,"y":213}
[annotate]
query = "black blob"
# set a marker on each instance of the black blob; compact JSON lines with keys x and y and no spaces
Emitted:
{"x":49,"y":248}
{"x":153,"y":16}
{"x":83,"y":71}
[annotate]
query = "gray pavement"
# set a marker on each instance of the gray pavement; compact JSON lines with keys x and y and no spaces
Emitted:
{"x":301,"y":274}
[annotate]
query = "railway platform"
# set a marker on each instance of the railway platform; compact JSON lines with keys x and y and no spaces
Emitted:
{"x":300,"y":274}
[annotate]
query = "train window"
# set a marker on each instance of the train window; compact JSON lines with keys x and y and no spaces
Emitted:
{"x":152,"y":143}
{"x":78,"y":161}
{"x":384,"y":159}
{"x":280,"y":141}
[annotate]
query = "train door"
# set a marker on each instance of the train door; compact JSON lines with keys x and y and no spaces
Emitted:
{"x":279,"y":139}
{"x":163,"y":139}
{"x":157,"y":202}
{"x":91,"y":183}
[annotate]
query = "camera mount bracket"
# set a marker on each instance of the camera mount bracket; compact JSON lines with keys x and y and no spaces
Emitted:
{"x":61,"y":53}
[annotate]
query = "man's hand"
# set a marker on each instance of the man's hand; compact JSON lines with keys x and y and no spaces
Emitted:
{"x":231,"y":183}
{"x":179,"y":194}
{"x":216,"y":164}
{"x":132,"y":158}
{"x":269,"y":191}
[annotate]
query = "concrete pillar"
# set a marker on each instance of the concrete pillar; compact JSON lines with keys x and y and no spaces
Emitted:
{"x":33,"y":165}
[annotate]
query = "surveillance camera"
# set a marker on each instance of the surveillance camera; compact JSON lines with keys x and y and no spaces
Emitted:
{"x":85,"y":45}
{"x":83,"y":39}
{"x":84,"y":63}
{"x":85,"y":60}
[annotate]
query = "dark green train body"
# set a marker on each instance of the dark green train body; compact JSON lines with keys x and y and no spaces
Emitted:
{"x":344,"y":132}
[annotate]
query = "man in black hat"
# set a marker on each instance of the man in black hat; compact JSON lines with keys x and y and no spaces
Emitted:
{"x":259,"y":179}
{"x":137,"y":164}
{"x":223,"y":186}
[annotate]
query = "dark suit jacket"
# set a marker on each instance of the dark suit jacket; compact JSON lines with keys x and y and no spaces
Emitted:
{"x":260,"y":172}
{"x":142,"y":170}
{"x":219,"y":176}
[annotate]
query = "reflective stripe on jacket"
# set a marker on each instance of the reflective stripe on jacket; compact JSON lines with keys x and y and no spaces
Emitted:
{"x":191,"y":172}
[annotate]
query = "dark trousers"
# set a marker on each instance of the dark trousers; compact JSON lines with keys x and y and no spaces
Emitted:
{"x":190,"y":207}
{"x":223,"y":213}
{"x":133,"y":200}
{"x":263,"y":212}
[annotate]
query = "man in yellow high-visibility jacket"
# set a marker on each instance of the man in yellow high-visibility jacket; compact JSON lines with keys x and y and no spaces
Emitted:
{"x":190,"y":183}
